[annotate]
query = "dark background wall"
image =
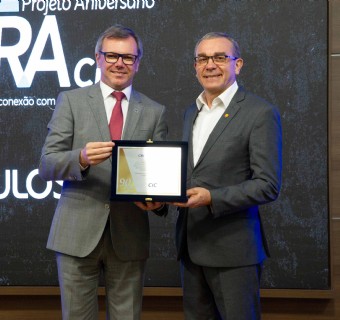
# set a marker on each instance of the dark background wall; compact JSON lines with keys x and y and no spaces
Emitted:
{"x":284,"y":45}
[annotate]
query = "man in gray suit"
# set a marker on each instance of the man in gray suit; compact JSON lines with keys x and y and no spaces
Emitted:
{"x":234,"y":166}
{"x":89,"y":234}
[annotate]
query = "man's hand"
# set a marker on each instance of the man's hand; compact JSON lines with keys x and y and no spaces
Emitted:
{"x":149,"y":206}
{"x":95,"y":152}
{"x":197,"y":197}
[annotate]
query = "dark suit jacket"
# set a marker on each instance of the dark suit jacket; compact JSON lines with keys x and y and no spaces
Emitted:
{"x":241,"y":167}
{"x":84,"y":207}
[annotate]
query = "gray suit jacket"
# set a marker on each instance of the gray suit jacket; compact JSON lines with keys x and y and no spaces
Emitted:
{"x":84,"y":206}
{"x":241,"y":166}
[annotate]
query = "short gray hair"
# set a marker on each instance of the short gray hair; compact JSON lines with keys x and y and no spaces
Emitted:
{"x":214,"y":35}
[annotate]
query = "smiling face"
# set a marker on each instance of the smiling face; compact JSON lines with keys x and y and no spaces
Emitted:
{"x":118,"y":75}
{"x":216,"y":78}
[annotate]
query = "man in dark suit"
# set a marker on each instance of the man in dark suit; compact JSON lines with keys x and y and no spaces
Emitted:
{"x":234,"y":166}
{"x":89,"y":234}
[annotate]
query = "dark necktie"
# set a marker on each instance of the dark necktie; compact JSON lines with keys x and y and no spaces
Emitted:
{"x":116,"y":121}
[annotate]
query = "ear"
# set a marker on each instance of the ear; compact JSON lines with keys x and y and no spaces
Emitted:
{"x":238,"y":66}
{"x":137,"y":65}
{"x":97,"y":56}
{"x":195,"y":66}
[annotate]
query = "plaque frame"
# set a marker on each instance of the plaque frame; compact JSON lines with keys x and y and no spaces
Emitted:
{"x":117,"y":195}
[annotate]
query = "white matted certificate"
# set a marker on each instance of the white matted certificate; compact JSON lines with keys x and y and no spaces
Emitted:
{"x":149,"y":171}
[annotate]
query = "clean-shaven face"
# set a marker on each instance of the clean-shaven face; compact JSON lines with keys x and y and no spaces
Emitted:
{"x":118,"y":75}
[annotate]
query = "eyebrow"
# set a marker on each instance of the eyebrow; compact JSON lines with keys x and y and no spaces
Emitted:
{"x":215,"y":54}
{"x":125,"y":54}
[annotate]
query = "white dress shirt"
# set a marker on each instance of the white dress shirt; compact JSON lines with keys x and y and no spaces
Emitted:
{"x":110,"y":101}
{"x":207,"y":118}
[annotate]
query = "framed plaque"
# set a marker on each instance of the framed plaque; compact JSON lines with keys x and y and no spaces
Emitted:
{"x":149,"y":171}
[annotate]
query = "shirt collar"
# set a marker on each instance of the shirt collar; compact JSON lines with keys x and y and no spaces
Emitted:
{"x":225,"y":97}
{"x":107,"y":90}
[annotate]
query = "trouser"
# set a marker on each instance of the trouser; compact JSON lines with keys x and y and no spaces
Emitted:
{"x":79,"y":278}
{"x":221,"y":293}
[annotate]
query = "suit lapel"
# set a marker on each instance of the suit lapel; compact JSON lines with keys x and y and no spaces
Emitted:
{"x":97,"y":106}
{"x":190,"y":118}
{"x":223,"y":123}
{"x":98,"y":109}
{"x":134,"y":113}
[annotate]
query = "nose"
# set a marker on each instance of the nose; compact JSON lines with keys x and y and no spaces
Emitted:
{"x":210,"y":63}
{"x":120,"y":62}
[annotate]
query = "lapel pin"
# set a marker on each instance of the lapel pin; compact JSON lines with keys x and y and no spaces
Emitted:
{"x":226,"y":115}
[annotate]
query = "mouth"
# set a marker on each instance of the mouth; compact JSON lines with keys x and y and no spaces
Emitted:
{"x":120,"y":73}
{"x":213,"y":76}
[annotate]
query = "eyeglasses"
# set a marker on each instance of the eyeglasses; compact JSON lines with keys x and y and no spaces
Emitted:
{"x":112,"y":57}
{"x":219,"y":59}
